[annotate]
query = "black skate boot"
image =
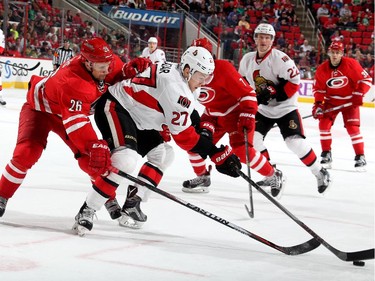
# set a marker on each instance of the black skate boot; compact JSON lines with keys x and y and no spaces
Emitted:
{"x":132,"y":215}
{"x":326,"y":161}
{"x":113,"y":208}
{"x":199,"y":184}
{"x":360,"y":163}
{"x":275,"y":182}
{"x":84,"y":220}
{"x":3,"y":205}
{"x":324,"y":180}
{"x":2,"y":102}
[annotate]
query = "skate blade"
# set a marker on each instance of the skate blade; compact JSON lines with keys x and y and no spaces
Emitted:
{"x":126,"y":221}
{"x":361,"y":169}
{"x":199,"y":189}
{"x":79,"y":230}
{"x":327,"y":165}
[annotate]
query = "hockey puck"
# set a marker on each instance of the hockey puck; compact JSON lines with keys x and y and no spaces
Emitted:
{"x":359,"y":263}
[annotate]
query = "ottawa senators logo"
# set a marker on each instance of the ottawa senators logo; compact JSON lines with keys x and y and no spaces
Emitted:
{"x":184,"y":101}
{"x":260,"y":82}
{"x":292,"y":125}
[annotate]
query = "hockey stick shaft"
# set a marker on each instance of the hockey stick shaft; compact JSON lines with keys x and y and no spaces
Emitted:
{"x":21,"y":67}
{"x":326,"y":111}
{"x":345,"y":256}
{"x":251,"y":210}
{"x":331,"y":109}
{"x":293,"y":250}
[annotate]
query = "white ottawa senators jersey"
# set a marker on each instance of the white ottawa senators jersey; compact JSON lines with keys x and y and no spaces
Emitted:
{"x":264,"y":72}
{"x":156,"y":56}
{"x":158,"y":96}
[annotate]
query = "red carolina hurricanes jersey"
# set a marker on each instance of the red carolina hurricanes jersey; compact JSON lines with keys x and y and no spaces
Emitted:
{"x":70,"y":92}
{"x":224,"y":94}
{"x":336,"y":85}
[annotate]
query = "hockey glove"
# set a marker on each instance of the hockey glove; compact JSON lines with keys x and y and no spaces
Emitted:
{"x":318,"y":110}
{"x":135,"y":66}
{"x":246,"y":121}
{"x":264,"y":96}
{"x":100,"y":157}
{"x":226,"y":162}
{"x":207,"y":130}
{"x":165,"y":134}
{"x":357,"y":98}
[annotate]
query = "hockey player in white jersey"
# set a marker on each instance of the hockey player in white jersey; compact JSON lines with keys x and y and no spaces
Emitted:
{"x":276,"y":80}
{"x":131,"y":115}
{"x":152,"y":52}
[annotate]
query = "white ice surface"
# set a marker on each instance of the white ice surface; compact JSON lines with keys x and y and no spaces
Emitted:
{"x":176,"y":243}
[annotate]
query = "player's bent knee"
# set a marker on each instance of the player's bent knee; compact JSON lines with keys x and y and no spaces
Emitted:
{"x":161,"y":156}
{"x":124,"y":159}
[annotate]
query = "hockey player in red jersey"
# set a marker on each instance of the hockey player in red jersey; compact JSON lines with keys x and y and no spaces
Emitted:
{"x":230,"y":107}
{"x":130,"y":117}
{"x":276,"y":80}
{"x":61,"y":103}
{"x":340,"y":80}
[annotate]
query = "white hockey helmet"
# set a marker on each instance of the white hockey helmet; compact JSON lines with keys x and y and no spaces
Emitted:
{"x":198,"y":59}
{"x":264,"y":28}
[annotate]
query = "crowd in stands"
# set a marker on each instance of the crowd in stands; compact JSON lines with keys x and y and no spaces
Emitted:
{"x":233,"y":22}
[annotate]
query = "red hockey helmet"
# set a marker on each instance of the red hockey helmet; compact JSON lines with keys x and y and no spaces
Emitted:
{"x":96,"y":50}
{"x":336,"y":46}
{"x":202,"y":42}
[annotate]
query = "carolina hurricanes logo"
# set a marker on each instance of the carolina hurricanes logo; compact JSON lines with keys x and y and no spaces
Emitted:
{"x":206,"y":95}
{"x":337,"y":82}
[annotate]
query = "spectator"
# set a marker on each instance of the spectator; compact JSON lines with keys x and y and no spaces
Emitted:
{"x":212,"y":21}
{"x":323,"y":11}
{"x":345,"y":11}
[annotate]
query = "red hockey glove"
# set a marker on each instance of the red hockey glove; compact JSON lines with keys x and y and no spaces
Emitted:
{"x":226,"y":162}
{"x":100,"y":157}
{"x":165,"y":134}
{"x":246,"y":121}
{"x":135,"y":66}
{"x":207,"y":130}
{"x":318,"y":110}
{"x":357,"y":98}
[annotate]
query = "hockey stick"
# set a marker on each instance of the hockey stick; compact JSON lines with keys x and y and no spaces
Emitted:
{"x":251,"y":211}
{"x":293,"y":250}
{"x":327,"y":110}
{"x":345,"y":256}
{"x":21,"y":67}
{"x":331,"y":109}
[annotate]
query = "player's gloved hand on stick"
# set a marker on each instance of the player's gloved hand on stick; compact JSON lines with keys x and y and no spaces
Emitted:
{"x":100,"y":157}
{"x":166,"y":133}
{"x":226,"y":162}
{"x":357,"y":98}
{"x":207,"y":130}
{"x":135,"y":66}
{"x":318,"y":110}
{"x":246,"y":121}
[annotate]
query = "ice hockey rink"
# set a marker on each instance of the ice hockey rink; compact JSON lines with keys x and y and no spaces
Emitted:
{"x":176,"y":243}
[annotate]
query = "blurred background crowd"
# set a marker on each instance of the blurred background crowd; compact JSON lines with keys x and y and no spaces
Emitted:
{"x":43,"y":28}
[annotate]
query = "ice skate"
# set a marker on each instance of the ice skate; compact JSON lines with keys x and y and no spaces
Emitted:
{"x":131,"y":213}
{"x":360,"y":163}
{"x":2,"y":102}
{"x":3,"y":204}
{"x":324,"y":180}
{"x":275,"y":182}
{"x":326,"y":161}
{"x":84,"y":220}
{"x":113,"y":208}
{"x":199,"y":184}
